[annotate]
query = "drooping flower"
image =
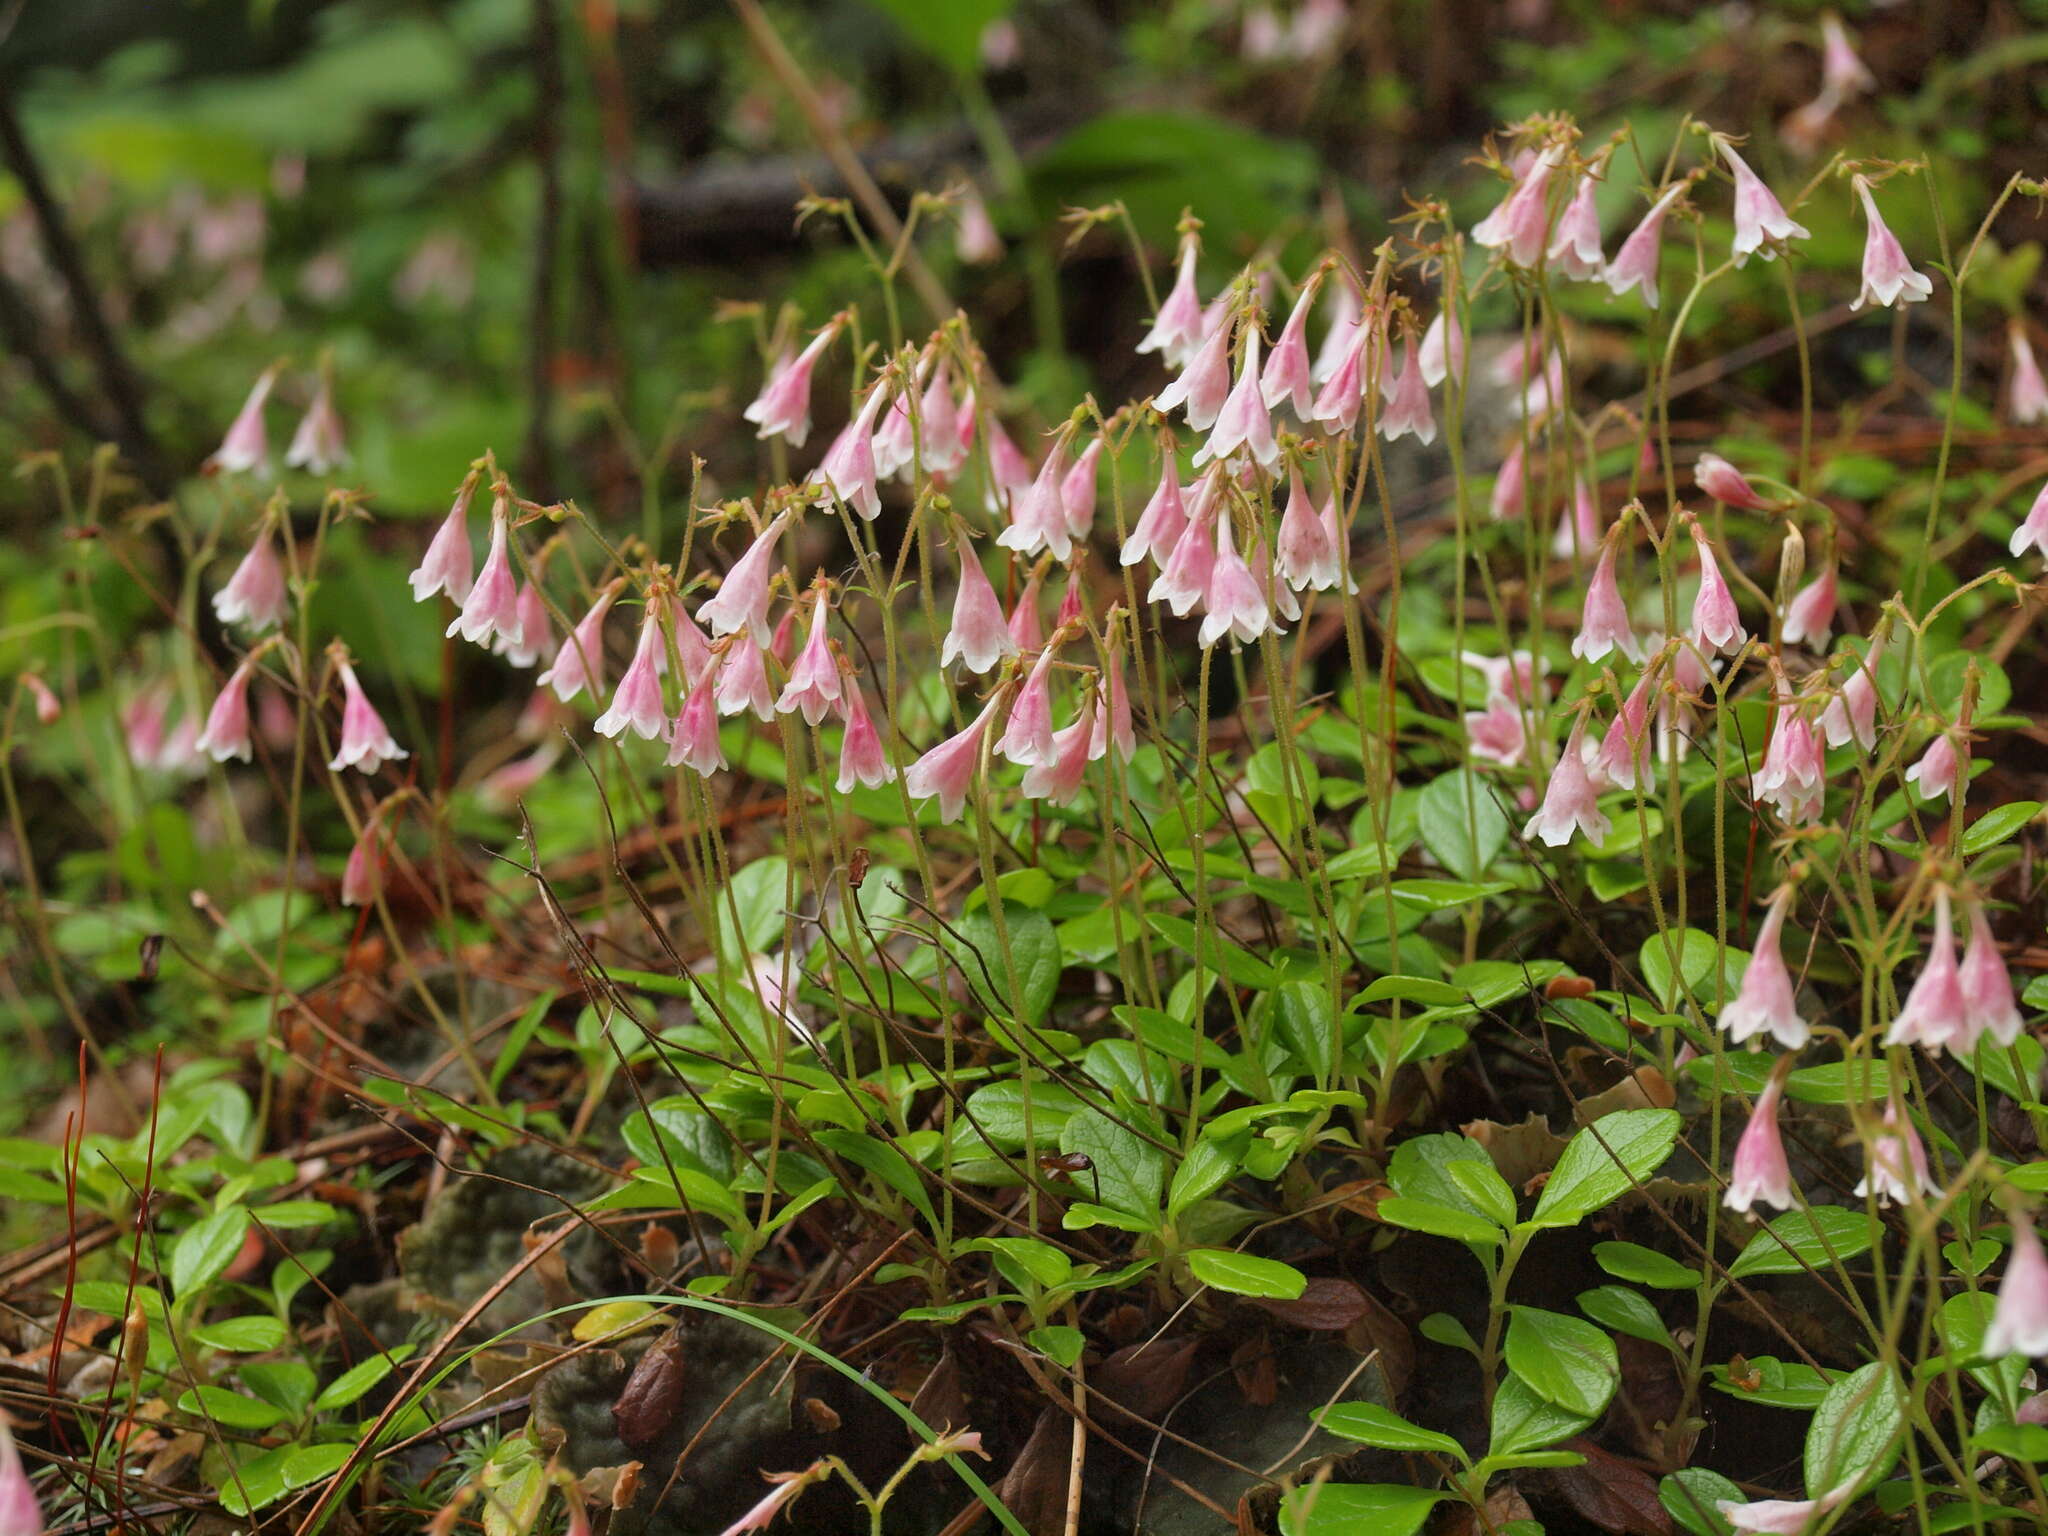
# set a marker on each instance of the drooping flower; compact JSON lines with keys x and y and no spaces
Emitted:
{"x":1497,"y":733}
{"x":227,"y":723}
{"x":255,"y":593}
{"x":942,"y":444}
{"x":1203,"y":386}
{"x":504,"y":786}
{"x":1579,"y":532}
{"x":1244,"y":421}
{"x":1986,"y":984}
{"x":814,"y":685}
{"x":861,"y":758}
{"x":2019,"y":1320}
{"x":894,"y":444}
{"x":1810,"y":616}
{"x":1888,"y":277}
{"x":1344,"y":319}
{"x":20,"y":1513}
{"x":579,"y":660}
{"x":1038,"y":519}
{"x":1407,"y":409}
{"x":1896,"y":1162}
{"x":1113,"y":726}
{"x":1009,"y":471}
{"x":1235,"y":603}
{"x":1164,"y":519}
{"x":1760,"y":1172}
{"x":783,"y":408}
{"x":975,"y":241}
{"x":1726,"y":484}
{"x":978,"y":636}
{"x":1781,"y":1517}
{"x":319,"y":444}
{"x":362,"y":876}
{"x":1716,"y":625}
{"x":1027,"y":736}
{"x":948,"y":769}
{"x":1938,"y":774}
{"x":1792,"y":776}
{"x":1933,"y":1015}
{"x":694,"y":742}
{"x":787,"y":1486}
{"x":1625,"y":749}
{"x":1765,"y":1003}
{"x":1343,"y":392}
{"x":1510,"y":487}
{"x":1851,"y":715}
{"x":1841,"y":71}
{"x":1077,"y":491}
{"x":1184,"y":580}
{"x":1058,"y":778}
{"x":847,"y":472}
{"x":1603,"y":624}
{"x":533,"y":637}
{"x":1761,"y":222}
{"x":448,"y":561}
{"x":1305,"y":553}
{"x":636,"y":703}
{"x":247,"y":444}
{"x":492,"y":608}
{"x":1177,"y":328}
{"x":1575,"y":247}
{"x":743,"y":680}
{"x":1570,"y":802}
{"x":2028,"y":402}
{"x":742,"y":598}
{"x":1027,"y":631}
{"x":2033,"y":529}
{"x":48,"y":706}
{"x":1289,"y":375}
{"x":365,"y":743}
{"x":1635,"y":264}
{"x":1443,"y":347}
{"x":144,"y":720}
{"x":1522,"y":218}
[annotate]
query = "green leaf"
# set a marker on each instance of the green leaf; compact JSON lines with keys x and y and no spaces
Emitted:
{"x":998,"y":1111}
{"x":241,"y":1335}
{"x":1439,"y":1220}
{"x":307,"y":1464}
{"x":759,"y":893}
{"x":1412,"y":989}
{"x":1204,"y":1170}
{"x":1563,"y":1360}
{"x":1131,"y":1171}
{"x":1482,"y":1184}
{"x":1371,"y":1424}
{"x":1797,"y":1240}
{"x":257,"y":1481}
{"x":1034,"y":948}
{"x":1625,"y":1311}
{"x":949,"y":31}
{"x":1524,"y":1421}
{"x":1856,"y":1431}
{"x":1242,"y":1274}
{"x":1058,"y":1342}
{"x":1215,"y":951}
{"x":885,"y":1163}
{"x":1442,"y":1328}
{"x":1692,"y":1496}
{"x":1668,"y":983}
{"x":1022,"y":1258}
{"x":206,"y":1248}
{"x":2016,"y":1442}
{"x":1998,"y":824}
{"x":1418,"y":1168}
{"x":1603,"y":1162}
{"x":1645,"y":1266}
{"x":1355,"y":1509}
{"x":1445,"y":895}
{"x":1461,"y":823}
{"x":230,"y":1409}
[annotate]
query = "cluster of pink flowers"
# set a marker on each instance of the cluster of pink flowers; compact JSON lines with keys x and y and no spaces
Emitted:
{"x":318,"y":445}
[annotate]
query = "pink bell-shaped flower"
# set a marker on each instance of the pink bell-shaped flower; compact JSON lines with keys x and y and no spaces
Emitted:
{"x":247,"y":444}
{"x":1988,"y":1006}
{"x":1497,"y":733}
{"x":1625,"y":750}
{"x":533,"y":637}
{"x":144,"y":721}
{"x":943,"y":444}
{"x":448,"y":561}
{"x":1009,"y":471}
{"x":1510,"y":487}
{"x":978,"y":637}
{"x":1235,"y":601}
{"x":1343,"y":393}
{"x":1203,"y":386}
{"x":579,"y":661}
{"x":1635,"y":264}
{"x":20,"y":1513}
{"x":1810,"y":616}
{"x":1570,"y":802}
{"x":1716,"y":625}
{"x":362,"y":876}
{"x":1933,"y":1015}
{"x":48,"y":706}
{"x":1896,"y":1162}
{"x":2033,"y":530}
{"x":1244,"y":422}
{"x":1407,"y":410}
{"x":1578,"y":534}
{"x":365,"y":743}
{"x":814,"y":685}
{"x":1841,"y":71}
{"x":742,"y":598}
{"x":1575,"y":247}
{"x":1726,"y":484}
{"x":1305,"y":552}
{"x":1792,"y":776}
{"x":1851,"y":715}
{"x":783,"y":408}
{"x":636,"y":703}
{"x":1164,"y":519}
{"x":1760,"y":1172}
{"x":848,"y":469}
{"x":1027,"y":630}
{"x":1443,"y":347}
{"x":1038,"y":520}
{"x":694,"y":742}
{"x":1113,"y":726}
{"x":2019,"y":1320}
{"x":975,"y":241}
{"x":948,"y":770}
{"x":2028,"y":402}
{"x":1058,"y":779}
{"x":1289,"y":375}
{"x":1177,"y":329}
{"x":319,"y":444}
{"x":1027,"y":736}
{"x":1603,"y":624}
{"x":255,"y":593}
{"x":1781,"y":1517}
{"x":1938,"y":774}
{"x":861,"y":758}
{"x":227,"y":723}
{"x":1077,"y":491}
{"x":1888,"y":277}
{"x":1522,"y":219}
{"x":1761,"y":222}
{"x":894,"y":444}
{"x":742,"y":685}
{"x":1184,"y":580}
{"x":1337,"y":341}
{"x":1765,"y":1003}
{"x":492,"y":608}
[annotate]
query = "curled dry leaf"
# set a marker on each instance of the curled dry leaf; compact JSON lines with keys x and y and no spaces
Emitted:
{"x":648,"y":1402}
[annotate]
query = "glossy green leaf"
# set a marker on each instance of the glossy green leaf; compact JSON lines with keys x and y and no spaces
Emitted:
{"x":1562,"y":1359}
{"x":1243,"y":1274}
{"x":1603,"y":1162}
